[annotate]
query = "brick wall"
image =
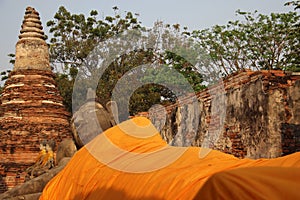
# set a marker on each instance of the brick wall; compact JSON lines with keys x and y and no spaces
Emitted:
{"x":251,"y":114}
{"x":31,"y":108}
{"x":32,"y":111}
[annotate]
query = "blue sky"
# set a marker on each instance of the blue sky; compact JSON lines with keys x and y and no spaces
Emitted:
{"x":195,"y":14}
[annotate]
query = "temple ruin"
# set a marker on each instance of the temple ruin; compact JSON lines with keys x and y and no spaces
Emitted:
{"x":32,"y":108}
{"x":262,"y":117}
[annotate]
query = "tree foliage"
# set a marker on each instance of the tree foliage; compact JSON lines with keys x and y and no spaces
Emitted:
{"x":258,"y":42}
{"x":75,"y":45}
{"x":75,"y":36}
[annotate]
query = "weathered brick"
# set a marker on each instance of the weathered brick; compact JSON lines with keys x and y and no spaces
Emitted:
{"x":261,"y":117}
{"x":32,"y":109}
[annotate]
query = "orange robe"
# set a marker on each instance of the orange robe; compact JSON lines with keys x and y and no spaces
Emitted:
{"x":253,"y":183}
{"x":131,"y":161}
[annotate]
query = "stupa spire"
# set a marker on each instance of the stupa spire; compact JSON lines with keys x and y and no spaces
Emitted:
{"x":31,"y":107}
{"x":31,"y":49}
{"x":31,"y":27}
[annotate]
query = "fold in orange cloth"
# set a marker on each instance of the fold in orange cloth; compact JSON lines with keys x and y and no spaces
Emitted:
{"x":253,"y":183}
{"x":131,"y":161}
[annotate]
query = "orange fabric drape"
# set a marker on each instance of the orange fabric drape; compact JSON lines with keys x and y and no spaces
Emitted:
{"x":253,"y":183}
{"x":131,"y":161}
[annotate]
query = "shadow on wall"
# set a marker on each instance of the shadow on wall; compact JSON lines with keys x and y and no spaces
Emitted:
{"x":290,"y":138}
{"x":105,"y":193}
{"x":3,"y":186}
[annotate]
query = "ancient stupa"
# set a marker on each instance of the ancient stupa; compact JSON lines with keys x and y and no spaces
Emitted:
{"x":32,"y":108}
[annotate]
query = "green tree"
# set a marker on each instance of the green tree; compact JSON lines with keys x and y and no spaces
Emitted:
{"x":166,"y":47}
{"x":75,"y":46}
{"x":75,"y":36}
{"x":4,"y":74}
{"x":65,"y":87}
{"x":258,"y":42}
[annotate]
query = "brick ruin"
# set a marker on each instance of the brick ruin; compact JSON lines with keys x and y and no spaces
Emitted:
{"x":260,"y":116}
{"x":261,"y":119}
{"x":31,"y":106}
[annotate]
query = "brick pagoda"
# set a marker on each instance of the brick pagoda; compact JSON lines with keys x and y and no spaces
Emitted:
{"x":32,"y":108}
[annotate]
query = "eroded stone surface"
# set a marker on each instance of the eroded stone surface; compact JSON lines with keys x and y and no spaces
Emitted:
{"x":261,"y":116}
{"x":31,"y":49}
{"x":31,"y":107}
